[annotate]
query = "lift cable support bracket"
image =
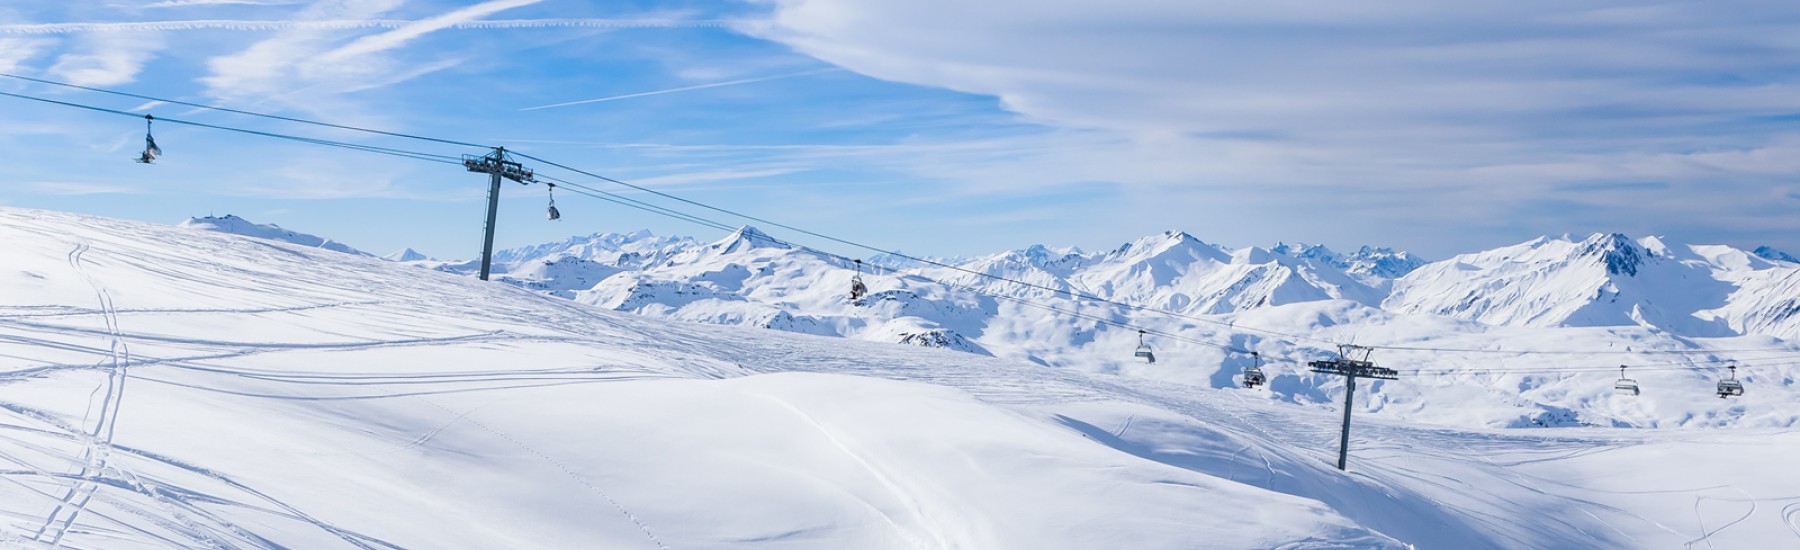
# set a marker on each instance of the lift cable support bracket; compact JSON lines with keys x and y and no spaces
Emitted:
{"x":1352,"y":363}
{"x":498,"y":167}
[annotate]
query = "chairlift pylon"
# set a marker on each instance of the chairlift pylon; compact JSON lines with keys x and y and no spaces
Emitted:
{"x":151,"y":151}
{"x":1253,"y":374}
{"x":1625,"y":386}
{"x":1143,"y":349}
{"x":857,"y":288}
{"x":1730,"y":386}
{"x":554,"y":214}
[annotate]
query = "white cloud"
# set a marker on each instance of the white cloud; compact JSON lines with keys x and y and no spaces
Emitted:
{"x":252,"y":25}
{"x":107,"y":59}
{"x":1443,"y":103}
{"x":398,"y":37}
{"x":304,"y":67}
{"x":714,"y":176}
{"x":271,"y":66}
{"x":708,"y":85}
{"x":16,"y":51}
{"x":191,"y":3}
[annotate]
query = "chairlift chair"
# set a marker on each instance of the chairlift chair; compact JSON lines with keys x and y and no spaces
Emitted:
{"x":1730,"y":386}
{"x":1253,"y":374}
{"x":151,"y":151}
{"x":1625,"y":386}
{"x":1143,"y":350}
{"x":554,"y":214}
{"x":857,"y":288}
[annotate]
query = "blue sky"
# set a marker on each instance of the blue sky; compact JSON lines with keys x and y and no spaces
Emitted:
{"x":935,"y":126}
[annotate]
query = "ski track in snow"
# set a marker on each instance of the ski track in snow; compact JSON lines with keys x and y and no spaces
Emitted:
{"x":884,"y":479}
{"x":1267,"y":465}
{"x":1700,"y":519}
{"x":1790,"y":515}
{"x":97,"y":445}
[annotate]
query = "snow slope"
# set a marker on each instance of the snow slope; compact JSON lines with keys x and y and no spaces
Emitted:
{"x":239,"y":226}
{"x":166,"y":388}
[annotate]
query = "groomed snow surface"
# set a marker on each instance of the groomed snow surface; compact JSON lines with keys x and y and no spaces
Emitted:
{"x":164,"y":387}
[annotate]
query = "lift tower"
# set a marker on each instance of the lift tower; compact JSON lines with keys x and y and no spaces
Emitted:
{"x":497,"y":167}
{"x":1350,"y":369}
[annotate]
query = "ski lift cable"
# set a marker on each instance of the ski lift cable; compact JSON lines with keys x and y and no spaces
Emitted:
{"x":431,"y":157}
{"x":630,"y":205}
{"x":243,"y":112}
{"x":634,"y":203}
{"x":1292,"y":338}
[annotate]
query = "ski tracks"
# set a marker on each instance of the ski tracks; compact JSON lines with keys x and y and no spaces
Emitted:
{"x":97,"y":444}
{"x":1790,"y":515}
{"x":1706,"y":535}
{"x":886,"y":482}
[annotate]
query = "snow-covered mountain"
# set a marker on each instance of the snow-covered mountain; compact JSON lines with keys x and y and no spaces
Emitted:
{"x":1172,"y":271}
{"x":239,"y":226}
{"x":408,"y":255}
{"x":1371,"y":265}
{"x":623,"y":251}
{"x":167,"y":388}
{"x":750,"y":278}
{"x":1771,"y":253}
{"x":1609,"y":280}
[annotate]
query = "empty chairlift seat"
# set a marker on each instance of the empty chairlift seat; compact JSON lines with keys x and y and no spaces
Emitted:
{"x":1143,"y":350}
{"x":1625,"y":386}
{"x":1730,"y":386}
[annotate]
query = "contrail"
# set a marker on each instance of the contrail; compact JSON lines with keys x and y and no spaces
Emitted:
{"x":249,"y":25}
{"x":684,"y":89}
{"x":191,"y":3}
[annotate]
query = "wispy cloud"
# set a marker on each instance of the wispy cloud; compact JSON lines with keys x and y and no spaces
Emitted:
{"x":686,"y":88}
{"x":1447,"y":106}
{"x":251,"y":25}
{"x":714,"y":176}
{"x":16,"y":51}
{"x":412,"y":31}
{"x":107,"y":59}
{"x":302,"y":58}
{"x":191,"y":3}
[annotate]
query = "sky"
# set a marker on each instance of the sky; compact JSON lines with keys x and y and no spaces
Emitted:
{"x":933,"y":127}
